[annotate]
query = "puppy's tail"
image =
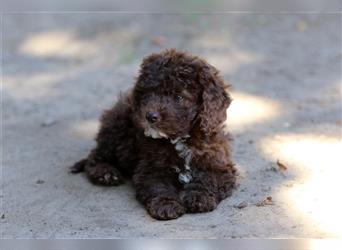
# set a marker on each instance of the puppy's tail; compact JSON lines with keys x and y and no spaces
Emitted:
{"x":78,"y":166}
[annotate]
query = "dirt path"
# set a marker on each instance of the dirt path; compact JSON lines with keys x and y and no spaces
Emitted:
{"x":60,"y":71}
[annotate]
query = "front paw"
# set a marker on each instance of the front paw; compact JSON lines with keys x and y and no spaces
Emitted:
{"x":104,"y":174}
{"x":198,"y":201}
{"x":165,"y":208}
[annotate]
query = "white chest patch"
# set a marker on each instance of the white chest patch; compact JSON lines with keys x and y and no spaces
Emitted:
{"x":185,"y":178}
{"x":185,"y":153}
{"x":155,"y":134}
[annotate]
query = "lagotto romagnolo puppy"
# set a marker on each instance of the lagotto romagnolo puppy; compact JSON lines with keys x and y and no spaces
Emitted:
{"x":167,"y":135}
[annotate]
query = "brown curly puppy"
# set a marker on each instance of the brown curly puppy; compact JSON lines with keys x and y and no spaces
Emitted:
{"x":167,"y":134}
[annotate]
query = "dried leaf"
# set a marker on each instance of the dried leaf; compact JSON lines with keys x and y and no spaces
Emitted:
{"x":302,"y":25}
{"x":281,"y":166}
{"x":265,"y":202}
{"x":159,"y":40}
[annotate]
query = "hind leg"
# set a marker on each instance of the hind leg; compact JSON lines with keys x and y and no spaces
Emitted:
{"x":114,"y":154}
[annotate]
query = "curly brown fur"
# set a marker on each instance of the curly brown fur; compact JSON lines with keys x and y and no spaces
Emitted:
{"x":167,"y":134}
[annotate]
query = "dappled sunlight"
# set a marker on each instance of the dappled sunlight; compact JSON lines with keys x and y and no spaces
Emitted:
{"x":59,"y":43}
{"x":337,"y":88}
{"x":326,"y":244}
{"x":30,"y":87}
{"x":247,"y":110}
{"x":230,"y":62}
{"x":317,"y":163}
{"x":85,"y":129}
{"x":231,"y":59}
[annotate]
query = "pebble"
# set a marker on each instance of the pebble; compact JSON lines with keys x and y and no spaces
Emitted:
{"x":48,"y":122}
{"x":241,"y":205}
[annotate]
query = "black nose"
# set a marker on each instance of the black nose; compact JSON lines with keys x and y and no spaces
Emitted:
{"x":152,"y":117}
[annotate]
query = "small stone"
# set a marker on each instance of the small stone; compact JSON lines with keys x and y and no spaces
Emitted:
{"x":3,"y":216}
{"x":48,"y":122}
{"x":289,"y":185}
{"x":241,"y":205}
{"x":266,"y":189}
{"x":272,"y":169}
{"x":40,"y":182}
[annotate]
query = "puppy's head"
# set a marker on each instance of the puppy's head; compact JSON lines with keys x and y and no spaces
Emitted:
{"x":177,"y":93}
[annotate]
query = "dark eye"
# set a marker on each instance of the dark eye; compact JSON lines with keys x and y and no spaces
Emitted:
{"x":179,"y":98}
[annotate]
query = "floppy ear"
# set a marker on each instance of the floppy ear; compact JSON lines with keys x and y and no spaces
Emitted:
{"x":215,"y":101}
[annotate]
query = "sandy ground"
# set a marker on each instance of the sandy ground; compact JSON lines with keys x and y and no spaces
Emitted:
{"x":60,"y":71}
